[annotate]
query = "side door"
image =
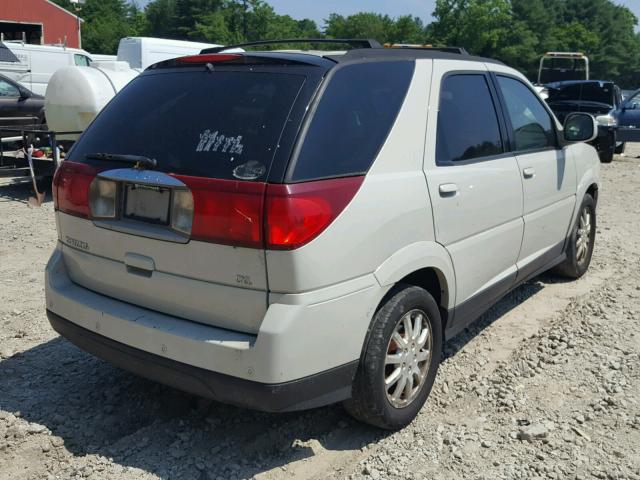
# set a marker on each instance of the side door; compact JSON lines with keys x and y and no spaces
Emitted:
{"x":474,"y":184}
{"x":629,"y":119}
{"x":548,"y":174}
{"x":9,"y":100}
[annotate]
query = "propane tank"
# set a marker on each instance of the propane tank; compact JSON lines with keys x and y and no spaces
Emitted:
{"x":75,"y":95}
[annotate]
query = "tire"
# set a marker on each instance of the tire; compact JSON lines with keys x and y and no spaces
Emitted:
{"x":371,"y":400}
{"x":577,"y":262}
{"x":606,"y":156}
{"x":620,"y":148}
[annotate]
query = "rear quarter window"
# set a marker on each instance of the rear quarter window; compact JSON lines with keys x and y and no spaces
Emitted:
{"x":352,"y":120}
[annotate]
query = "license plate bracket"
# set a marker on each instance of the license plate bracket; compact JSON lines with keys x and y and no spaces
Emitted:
{"x":147,"y":203}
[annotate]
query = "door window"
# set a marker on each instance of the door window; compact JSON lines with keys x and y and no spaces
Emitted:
{"x":8,"y":90}
{"x":81,"y":60}
{"x":467,"y":120}
{"x":634,"y":102}
{"x":532,"y":125}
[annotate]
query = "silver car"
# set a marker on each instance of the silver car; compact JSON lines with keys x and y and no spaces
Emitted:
{"x":285,"y":230}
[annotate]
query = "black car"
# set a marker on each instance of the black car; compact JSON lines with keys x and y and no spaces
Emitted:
{"x":599,"y":98}
{"x":19,"y":106}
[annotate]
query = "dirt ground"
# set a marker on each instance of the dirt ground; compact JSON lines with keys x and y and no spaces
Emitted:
{"x":545,"y":385}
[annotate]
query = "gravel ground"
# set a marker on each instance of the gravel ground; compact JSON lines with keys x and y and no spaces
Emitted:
{"x":545,"y":385}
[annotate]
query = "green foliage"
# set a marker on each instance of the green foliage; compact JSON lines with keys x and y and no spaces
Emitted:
{"x":404,"y":29}
{"x":106,"y":22}
{"x":517,"y":32}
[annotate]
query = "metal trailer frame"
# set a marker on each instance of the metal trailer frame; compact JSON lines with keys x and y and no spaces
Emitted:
{"x":16,"y":166}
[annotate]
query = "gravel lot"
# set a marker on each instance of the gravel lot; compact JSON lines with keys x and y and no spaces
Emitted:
{"x":546,"y":385}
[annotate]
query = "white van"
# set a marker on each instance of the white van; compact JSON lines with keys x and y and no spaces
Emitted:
{"x":141,"y":52}
{"x":39,"y":62}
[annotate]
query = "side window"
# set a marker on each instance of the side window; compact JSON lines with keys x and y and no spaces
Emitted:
{"x":532,"y":125}
{"x":353,"y":119}
{"x":633,"y":102}
{"x":467,"y":120}
{"x":8,"y":90}
{"x":81,"y":60}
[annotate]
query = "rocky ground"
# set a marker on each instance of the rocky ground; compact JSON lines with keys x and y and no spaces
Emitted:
{"x":545,"y":385}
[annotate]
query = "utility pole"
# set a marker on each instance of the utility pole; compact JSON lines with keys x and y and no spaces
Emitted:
{"x":244,"y":19}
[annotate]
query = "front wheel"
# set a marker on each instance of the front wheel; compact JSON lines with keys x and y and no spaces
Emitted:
{"x":606,"y":156}
{"x":400,"y":361}
{"x":620,"y":148}
{"x":581,"y":241}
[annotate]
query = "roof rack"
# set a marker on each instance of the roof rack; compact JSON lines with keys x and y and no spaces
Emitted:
{"x":428,"y":46}
{"x":353,"y":42}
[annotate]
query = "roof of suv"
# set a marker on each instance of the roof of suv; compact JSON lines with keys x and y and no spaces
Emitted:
{"x":404,"y":54}
{"x":363,"y":49}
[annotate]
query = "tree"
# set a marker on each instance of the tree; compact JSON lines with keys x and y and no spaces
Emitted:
{"x":480,"y":26}
{"x":106,"y":22}
{"x":519,"y":32}
{"x":360,"y":25}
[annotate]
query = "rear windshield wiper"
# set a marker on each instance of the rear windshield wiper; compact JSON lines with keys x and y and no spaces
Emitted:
{"x":138,"y":161}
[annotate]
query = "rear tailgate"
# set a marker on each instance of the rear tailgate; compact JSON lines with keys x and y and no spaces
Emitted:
{"x":218,"y":131}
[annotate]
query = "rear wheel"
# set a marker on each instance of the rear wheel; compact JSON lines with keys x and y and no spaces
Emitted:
{"x":620,"y":148}
{"x":581,"y":241}
{"x":399,"y":364}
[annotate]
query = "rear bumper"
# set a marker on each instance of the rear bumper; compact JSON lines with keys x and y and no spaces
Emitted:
{"x":323,"y":388}
{"x":313,"y":339}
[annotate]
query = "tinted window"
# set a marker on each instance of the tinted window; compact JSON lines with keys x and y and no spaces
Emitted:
{"x":467,"y":120}
{"x":532,"y":124}
{"x":352,"y":120}
{"x":81,"y":60}
{"x":8,"y":90}
{"x":223,"y":124}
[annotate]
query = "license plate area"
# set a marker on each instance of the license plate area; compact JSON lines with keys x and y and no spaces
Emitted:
{"x":147,"y":203}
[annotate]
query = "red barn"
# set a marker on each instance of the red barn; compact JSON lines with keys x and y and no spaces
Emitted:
{"x":39,"y":22}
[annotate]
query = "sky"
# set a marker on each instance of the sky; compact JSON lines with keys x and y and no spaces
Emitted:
{"x":319,"y":10}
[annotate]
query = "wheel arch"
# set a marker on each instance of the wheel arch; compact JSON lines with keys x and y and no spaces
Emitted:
{"x":593,"y":191}
{"x":423,"y":264}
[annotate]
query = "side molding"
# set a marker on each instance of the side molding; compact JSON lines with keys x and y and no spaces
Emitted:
{"x":415,"y":257}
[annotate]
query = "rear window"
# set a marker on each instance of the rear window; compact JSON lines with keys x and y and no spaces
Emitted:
{"x":223,"y":124}
{"x":352,"y":120}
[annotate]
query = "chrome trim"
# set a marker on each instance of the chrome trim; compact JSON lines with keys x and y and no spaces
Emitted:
{"x":142,"y":177}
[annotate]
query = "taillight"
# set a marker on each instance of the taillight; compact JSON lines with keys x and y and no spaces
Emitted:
{"x":103,"y":195}
{"x":298,"y":213}
{"x":71,"y":184}
{"x":226,"y":211}
{"x":209,"y":58}
{"x":182,"y":211}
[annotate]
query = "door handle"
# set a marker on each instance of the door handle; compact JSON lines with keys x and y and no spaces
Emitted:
{"x":448,"y":189}
{"x":529,"y":172}
{"x":139,"y":264}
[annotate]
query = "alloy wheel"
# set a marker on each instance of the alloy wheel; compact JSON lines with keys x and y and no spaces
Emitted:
{"x":408,"y":358}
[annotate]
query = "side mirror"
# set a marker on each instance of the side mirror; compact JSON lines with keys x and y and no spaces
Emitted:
{"x":580,"y":127}
{"x":24,"y":94}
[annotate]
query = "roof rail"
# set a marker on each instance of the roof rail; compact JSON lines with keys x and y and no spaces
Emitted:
{"x":353,"y":42}
{"x":460,"y":50}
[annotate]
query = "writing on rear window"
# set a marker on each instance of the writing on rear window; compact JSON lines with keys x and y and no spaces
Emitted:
{"x":217,"y":142}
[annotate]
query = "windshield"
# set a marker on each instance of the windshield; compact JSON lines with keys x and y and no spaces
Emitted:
{"x":599,"y":92}
{"x":223,"y":124}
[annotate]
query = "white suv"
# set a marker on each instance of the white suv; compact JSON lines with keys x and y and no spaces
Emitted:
{"x":284,"y":230}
